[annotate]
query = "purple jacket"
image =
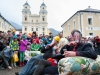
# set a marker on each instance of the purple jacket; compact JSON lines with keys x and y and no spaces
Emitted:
{"x":23,"y":45}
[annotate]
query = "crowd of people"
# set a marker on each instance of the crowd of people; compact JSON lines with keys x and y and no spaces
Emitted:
{"x":16,"y":50}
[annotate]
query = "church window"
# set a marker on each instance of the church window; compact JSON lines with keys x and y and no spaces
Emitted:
{"x":25,"y":29}
{"x":32,"y":29}
{"x":25,"y":18}
{"x":36,"y":20}
{"x":43,"y":29}
{"x":43,"y":18}
{"x":43,"y":7}
{"x":36,"y":29}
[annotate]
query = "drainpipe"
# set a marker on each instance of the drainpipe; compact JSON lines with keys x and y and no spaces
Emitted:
{"x":80,"y":23}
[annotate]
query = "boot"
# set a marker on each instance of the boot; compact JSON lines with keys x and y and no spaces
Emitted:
{"x":15,"y":65}
{"x":12,"y":65}
{"x":20,"y":64}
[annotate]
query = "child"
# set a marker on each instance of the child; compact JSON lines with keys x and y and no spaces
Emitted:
{"x":14,"y":45}
{"x":27,"y":53}
{"x":35,"y":46}
{"x":22,"y":48}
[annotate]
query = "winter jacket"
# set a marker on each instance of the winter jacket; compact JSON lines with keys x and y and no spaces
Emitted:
{"x":50,"y":38}
{"x":1,"y":46}
{"x":14,"y":45}
{"x":22,"y":45}
{"x":82,"y":49}
{"x":97,"y":46}
{"x":35,"y":47}
{"x":47,"y":52}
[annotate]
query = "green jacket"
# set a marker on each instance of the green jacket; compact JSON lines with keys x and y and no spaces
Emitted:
{"x":14,"y":45}
{"x":35,"y":47}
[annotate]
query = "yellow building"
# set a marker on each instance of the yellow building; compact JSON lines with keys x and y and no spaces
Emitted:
{"x":87,"y":21}
{"x":5,"y":25}
{"x":33,"y":22}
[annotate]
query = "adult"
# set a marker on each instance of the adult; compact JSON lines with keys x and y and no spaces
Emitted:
{"x":96,"y":44}
{"x":74,"y":48}
{"x":58,"y":37}
{"x":9,"y":35}
{"x":50,"y":38}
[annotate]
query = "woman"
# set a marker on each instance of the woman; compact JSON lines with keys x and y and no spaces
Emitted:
{"x":74,"y":48}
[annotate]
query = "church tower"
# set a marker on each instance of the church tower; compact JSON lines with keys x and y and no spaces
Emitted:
{"x":43,"y":17}
{"x":43,"y":13}
{"x":34,"y":22}
{"x":25,"y":17}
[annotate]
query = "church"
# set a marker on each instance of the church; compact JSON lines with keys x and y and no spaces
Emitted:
{"x":33,"y":22}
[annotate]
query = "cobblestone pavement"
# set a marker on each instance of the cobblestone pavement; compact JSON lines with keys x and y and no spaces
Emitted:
{"x":10,"y":72}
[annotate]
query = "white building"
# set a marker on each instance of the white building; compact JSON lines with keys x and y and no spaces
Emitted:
{"x":33,"y":22}
{"x":5,"y":25}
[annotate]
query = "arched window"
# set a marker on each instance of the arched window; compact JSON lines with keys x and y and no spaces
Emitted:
{"x":43,"y":19}
{"x":25,"y":18}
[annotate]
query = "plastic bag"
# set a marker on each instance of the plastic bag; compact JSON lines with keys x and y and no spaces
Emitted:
{"x":15,"y":57}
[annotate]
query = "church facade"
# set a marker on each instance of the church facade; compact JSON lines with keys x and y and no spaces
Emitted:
{"x":33,"y":22}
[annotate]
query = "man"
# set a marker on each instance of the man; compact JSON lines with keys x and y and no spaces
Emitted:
{"x":74,"y":48}
{"x":9,"y":35}
{"x":60,"y":35}
{"x":50,"y":38}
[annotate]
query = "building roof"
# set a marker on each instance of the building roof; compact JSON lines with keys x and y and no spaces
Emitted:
{"x":43,"y":4}
{"x":91,"y":10}
{"x":16,"y":26}
{"x":5,"y":20}
{"x":26,"y":4}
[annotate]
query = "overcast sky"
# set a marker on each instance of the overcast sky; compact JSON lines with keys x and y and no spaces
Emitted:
{"x":58,"y":10}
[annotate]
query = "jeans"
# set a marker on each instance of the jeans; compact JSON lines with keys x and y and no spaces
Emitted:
{"x":51,"y":70}
{"x":29,"y":68}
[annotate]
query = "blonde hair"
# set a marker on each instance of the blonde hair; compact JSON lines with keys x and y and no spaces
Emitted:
{"x":62,"y":42}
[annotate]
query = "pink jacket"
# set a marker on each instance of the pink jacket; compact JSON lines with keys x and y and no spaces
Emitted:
{"x":23,"y":45}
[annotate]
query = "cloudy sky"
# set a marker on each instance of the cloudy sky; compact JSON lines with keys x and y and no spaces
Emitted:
{"x":58,"y":10}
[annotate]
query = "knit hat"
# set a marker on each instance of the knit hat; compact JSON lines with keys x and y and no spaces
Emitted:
{"x":24,"y":37}
{"x":14,"y":37}
{"x":57,"y":38}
